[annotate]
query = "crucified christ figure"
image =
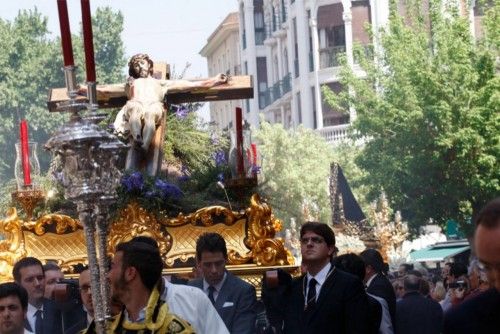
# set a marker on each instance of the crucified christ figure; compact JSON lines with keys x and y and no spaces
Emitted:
{"x":142,"y":114}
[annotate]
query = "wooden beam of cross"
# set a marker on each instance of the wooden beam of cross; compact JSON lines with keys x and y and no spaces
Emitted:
{"x":237,"y":87}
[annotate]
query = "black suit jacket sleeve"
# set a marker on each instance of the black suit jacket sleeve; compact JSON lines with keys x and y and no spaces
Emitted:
{"x":357,"y":309}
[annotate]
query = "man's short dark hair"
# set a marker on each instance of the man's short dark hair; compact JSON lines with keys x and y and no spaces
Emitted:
{"x":145,"y":239}
{"x":320,"y":229}
{"x":411,"y":283}
{"x":14,"y":289}
{"x":210,"y":242}
{"x":407,"y":266}
{"x":143,"y":257}
{"x":351,"y":263}
{"x":489,"y":216}
{"x":23,"y":263}
{"x":371,"y":257}
{"x":51,"y":266}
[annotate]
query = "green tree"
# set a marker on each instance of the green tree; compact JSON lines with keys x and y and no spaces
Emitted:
{"x":428,"y":109}
{"x":295,"y":170}
{"x":30,"y":64}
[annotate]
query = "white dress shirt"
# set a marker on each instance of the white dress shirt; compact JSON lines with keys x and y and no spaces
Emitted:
{"x":320,"y":278}
{"x":30,"y":315}
{"x":217,"y":287}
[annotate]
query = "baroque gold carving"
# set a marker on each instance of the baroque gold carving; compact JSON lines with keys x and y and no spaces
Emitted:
{"x":249,"y":235}
{"x":134,"y":221}
{"x":12,"y":247}
{"x":63,"y":224}
{"x":203,"y":216}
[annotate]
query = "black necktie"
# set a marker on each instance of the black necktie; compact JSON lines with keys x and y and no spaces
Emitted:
{"x":211,"y":291}
{"x":38,"y":322}
{"x":311,"y":294}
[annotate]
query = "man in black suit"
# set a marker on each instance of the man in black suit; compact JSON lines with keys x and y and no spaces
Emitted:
{"x":234,"y":299}
{"x":325,"y":299}
{"x":481,"y":314}
{"x":43,"y":317}
{"x":416,"y":314}
{"x":376,"y":282}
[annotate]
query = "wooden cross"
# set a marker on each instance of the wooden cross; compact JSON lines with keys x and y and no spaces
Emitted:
{"x":237,"y":87}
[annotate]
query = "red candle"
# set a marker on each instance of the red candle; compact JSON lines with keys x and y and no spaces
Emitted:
{"x":239,"y":141}
{"x":254,"y":154}
{"x":65,"y":33}
{"x":25,"y":153}
{"x":88,"y":41}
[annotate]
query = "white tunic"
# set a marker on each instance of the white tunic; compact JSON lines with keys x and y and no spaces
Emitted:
{"x":192,"y":305}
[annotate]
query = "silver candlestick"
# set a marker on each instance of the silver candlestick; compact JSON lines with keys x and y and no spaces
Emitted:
{"x":90,"y":157}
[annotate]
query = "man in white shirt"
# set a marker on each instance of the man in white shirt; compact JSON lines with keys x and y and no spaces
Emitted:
{"x":193,"y":305}
{"x":13,"y":308}
{"x":135,"y":280}
{"x":189,"y":303}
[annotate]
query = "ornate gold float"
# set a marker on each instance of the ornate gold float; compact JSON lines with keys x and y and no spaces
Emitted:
{"x":250,"y":236}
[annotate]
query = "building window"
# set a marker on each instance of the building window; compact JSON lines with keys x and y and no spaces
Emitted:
{"x":259,"y":25}
{"x":264,"y":99}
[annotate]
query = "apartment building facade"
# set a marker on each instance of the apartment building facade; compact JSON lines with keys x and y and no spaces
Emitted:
{"x":223,"y":56}
{"x":292,"y":48}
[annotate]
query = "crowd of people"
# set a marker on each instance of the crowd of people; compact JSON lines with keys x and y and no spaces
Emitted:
{"x":349,"y":293}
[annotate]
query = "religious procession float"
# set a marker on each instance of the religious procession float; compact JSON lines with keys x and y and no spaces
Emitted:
{"x":117,"y":189}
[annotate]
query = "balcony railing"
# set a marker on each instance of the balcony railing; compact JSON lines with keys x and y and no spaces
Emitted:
{"x":274,"y":92}
{"x":260,"y":36}
{"x":264,"y":99}
{"x":335,"y":133}
{"x":368,"y":52}
{"x":329,"y":57}
{"x":286,"y":84}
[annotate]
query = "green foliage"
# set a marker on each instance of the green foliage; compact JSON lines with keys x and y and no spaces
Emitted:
{"x":296,"y":166}
{"x":187,"y":142}
{"x":30,"y":64}
{"x":428,"y":109}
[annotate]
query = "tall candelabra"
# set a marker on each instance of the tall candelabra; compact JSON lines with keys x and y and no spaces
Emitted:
{"x":91,"y":164}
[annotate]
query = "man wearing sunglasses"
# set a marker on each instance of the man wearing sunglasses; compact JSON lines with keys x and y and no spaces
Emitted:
{"x":324,"y":299}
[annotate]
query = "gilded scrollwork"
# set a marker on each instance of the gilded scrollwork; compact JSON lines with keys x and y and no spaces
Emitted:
{"x":12,"y":246}
{"x":249,"y":235}
{"x":133,"y":221}
{"x":63,"y":224}
{"x":269,"y":252}
{"x":204,"y":217}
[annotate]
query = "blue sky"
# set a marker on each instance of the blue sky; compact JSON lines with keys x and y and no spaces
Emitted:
{"x":168,"y":30}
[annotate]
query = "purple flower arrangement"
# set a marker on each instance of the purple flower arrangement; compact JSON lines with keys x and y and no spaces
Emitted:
{"x":151,"y":193}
